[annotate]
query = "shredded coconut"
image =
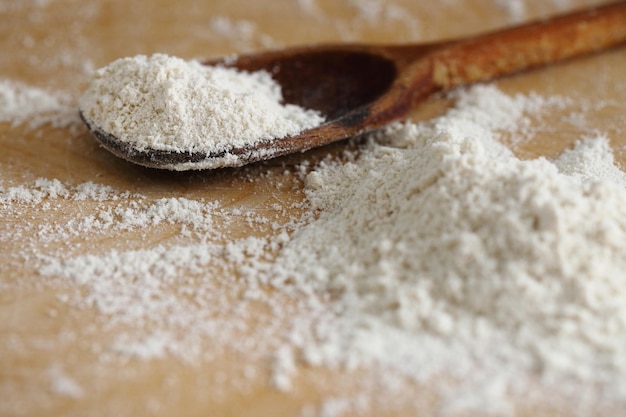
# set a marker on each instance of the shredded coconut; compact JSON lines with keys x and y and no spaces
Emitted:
{"x":168,"y":104}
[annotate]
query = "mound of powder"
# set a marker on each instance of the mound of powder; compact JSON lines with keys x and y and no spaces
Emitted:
{"x":169,"y":104}
{"x":434,"y":255}
{"x":447,"y":255}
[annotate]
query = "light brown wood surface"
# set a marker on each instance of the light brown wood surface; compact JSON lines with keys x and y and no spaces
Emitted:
{"x":54,"y":45}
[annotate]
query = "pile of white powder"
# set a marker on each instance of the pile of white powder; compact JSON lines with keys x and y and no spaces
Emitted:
{"x":168,"y":104}
{"x":448,"y":274}
{"x":434,"y":253}
{"x":449,"y":257}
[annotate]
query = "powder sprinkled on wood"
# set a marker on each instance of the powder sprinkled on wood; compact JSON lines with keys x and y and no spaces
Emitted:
{"x":84,"y":347}
{"x":436,"y":255}
{"x":21,"y":103}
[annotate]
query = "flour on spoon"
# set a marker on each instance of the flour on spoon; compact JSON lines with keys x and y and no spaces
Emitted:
{"x":164,"y":103}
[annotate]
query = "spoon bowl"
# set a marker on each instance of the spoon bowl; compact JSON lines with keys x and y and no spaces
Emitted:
{"x":359,"y":88}
{"x":331,"y":79}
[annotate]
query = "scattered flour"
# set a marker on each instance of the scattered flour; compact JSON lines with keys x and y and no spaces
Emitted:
{"x":123,"y":211}
{"x":51,"y":189}
{"x":243,"y":30}
{"x":20,"y":103}
{"x":63,"y":384}
{"x":435,"y":254}
{"x":244,"y":34}
{"x":168,"y":104}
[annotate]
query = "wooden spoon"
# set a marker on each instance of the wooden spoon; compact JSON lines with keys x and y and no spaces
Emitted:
{"x":363,"y":87}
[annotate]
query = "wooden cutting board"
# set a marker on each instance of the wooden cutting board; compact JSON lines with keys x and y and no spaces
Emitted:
{"x":55,"y":44}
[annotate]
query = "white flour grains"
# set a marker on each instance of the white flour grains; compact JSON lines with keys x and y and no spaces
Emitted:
{"x":435,"y":252}
{"x":168,"y":104}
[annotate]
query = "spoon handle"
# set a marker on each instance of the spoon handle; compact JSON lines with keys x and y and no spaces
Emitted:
{"x":528,"y":46}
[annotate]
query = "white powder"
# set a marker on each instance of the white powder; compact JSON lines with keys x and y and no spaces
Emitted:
{"x":451,"y":258}
{"x":244,"y":34}
{"x":168,"y":104}
{"x":435,"y":255}
{"x":233,"y":29}
{"x":20,"y":103}
{"x":51,"y":189}
{"x":124,"y":211}
{"x":366,"y":300}
{"x":591,"y":158}
{"x":63,"y":384}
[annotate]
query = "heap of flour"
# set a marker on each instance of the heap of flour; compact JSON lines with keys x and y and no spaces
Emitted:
{"x":435,"y":254}
{"x":169,"y":104}
{"x":448,"y":258}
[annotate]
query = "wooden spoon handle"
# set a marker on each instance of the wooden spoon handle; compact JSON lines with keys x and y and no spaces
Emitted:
{"x":528,"y":46}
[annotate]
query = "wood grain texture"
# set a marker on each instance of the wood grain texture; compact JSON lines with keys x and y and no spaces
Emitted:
{"x":55,"y":44}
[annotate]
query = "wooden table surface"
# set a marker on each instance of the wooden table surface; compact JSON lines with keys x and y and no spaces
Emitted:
{"x":54,"y":44}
